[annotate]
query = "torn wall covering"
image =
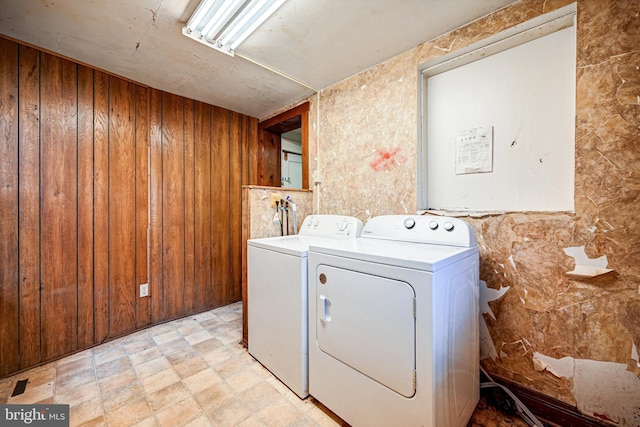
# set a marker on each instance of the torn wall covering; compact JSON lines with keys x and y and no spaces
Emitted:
{"x":363,"y":136}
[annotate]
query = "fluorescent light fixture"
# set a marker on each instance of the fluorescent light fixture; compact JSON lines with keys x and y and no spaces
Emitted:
{"x":224,"y":24}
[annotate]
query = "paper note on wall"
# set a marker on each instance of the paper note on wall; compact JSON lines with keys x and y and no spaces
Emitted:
{"x":474,"y":150}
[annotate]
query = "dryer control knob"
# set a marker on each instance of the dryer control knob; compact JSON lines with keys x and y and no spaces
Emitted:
{"x":448,"y":226}
{"x":433,"y":225}
{"x":343,"y":225}
{"x":409,"y":223}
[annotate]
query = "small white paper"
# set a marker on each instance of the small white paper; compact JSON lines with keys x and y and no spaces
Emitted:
{"x":474,"y":150}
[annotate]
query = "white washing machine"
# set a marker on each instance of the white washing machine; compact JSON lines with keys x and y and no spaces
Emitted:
{"x":277,"y":295}
{"x":393,"y":323}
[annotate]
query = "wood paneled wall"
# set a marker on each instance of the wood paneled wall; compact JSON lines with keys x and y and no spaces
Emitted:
{"x":89,"y":164}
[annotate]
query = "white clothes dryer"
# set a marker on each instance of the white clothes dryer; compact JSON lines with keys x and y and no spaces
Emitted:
{"x":277,"y":295}
{"x":393,"y":323}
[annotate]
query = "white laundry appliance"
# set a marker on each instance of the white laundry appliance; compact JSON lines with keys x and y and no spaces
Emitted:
{"x":393,"y":323}
{"x":277,"y":295}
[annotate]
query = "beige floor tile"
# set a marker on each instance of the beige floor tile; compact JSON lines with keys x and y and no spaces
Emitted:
{"x":167,"y":396}
{"x":4,"y":394}
{"x":129,"y":414}
{"x":147,"y":422}
{"x":122,"y":396}
{"x":303,"y":405}
{"x":201,"y":421}
{"x":145,"y":355}
{"x":89,"y":411}
{"x":252,"y":421}
{"x":117,"y":381}
{"x":40,"y":375}
{"x":177,"y":350}
{"x":135,"y":336}
{"x":179,"y":414}
{"x":108,"y":354}
{"x":152,"y":367}
{"x":167,"y":337}
{"x":207,"y":346}
{"x":260,"y":396}
{"x":202,"y":380}
{"x":142,"y":343}
{"x":188,"y":326}
{"x":33,"y":394}
{"x":205,"y":315}
{"x":214,"y":396}
{"x":279,"y":385}
{"x":113,"y":367}
{"x":64,"y":367}
{"x":261,"y":371}
{"x":324,"y":418}
{"x":212,"y":323}
{"x":190,"y":366}
{"x":73,"y":379}
{"x":229,"y":413}
{"x":198,"y":337}
{"x":279,"y":413}
{"x":159,"y":380}
{"x":160,"y":329}
{"x":229,"y":337}
{"x":230,"y":366}
{"x":74,"y":396}
{"x":243,"y":380}
{"x":217,"y":356}
{"x":72,"y":358}
{"x":303,"y":421}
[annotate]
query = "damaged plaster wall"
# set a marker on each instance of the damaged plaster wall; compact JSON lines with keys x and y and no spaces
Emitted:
{"x":543,"y":304}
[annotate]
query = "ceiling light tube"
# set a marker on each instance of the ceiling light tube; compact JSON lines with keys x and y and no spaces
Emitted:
{"x":220,"y":18}
{"x":199,"y":14}
{"x":255,"y":24}
{"x":246,"y":16}
{"x":224,"y":24}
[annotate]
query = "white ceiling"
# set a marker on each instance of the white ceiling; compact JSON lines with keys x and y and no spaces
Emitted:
{"x":315,"y":42}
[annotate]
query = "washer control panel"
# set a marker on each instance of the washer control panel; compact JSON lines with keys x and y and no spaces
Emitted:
{"x":334,"y":226}
{"x":421,"y":229}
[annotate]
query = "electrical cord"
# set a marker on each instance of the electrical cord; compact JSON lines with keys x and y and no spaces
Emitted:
{"x":524,"y":412}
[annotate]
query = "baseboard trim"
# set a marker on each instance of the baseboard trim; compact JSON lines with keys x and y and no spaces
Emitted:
{"x":548,"y":408}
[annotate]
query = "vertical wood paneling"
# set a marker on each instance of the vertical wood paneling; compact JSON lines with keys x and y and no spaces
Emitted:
{"x":156,"y":197}
{"x":269,"y":169}
{"x":29,"y":97}
{"x":203,"y":192}
{"x":122,"y":203}
{"x":101,"y":205}
{"x":236,"y":173}
{"x":92,"y":170}
{"x":85,"y":208}
{"x":142,"y":201}
{"x":9,"y":276}
{"x":59,"y":206}
{"x":189,"y":208}
{"x":173,"y":209}
{"x":220,"y":203}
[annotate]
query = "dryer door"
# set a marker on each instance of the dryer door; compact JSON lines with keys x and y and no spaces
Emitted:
{"x":367,"y":322}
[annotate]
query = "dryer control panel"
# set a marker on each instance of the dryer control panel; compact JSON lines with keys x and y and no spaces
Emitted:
{"x":332,"y":226}
{"x":433,"y":230}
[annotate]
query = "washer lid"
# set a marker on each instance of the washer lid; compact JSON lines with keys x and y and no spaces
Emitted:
{"x":418,"y":256}
{"x":296,"y":245}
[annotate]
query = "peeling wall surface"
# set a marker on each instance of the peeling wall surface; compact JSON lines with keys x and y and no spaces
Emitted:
{"x":561,"y":307}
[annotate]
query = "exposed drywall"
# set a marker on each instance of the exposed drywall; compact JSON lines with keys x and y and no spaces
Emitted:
{"x":364,"y":137}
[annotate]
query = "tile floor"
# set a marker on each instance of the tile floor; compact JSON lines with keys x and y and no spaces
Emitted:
{"x":188,"y":372}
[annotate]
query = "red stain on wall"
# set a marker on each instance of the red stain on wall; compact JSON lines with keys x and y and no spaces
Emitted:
{"x":386,"y":160}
